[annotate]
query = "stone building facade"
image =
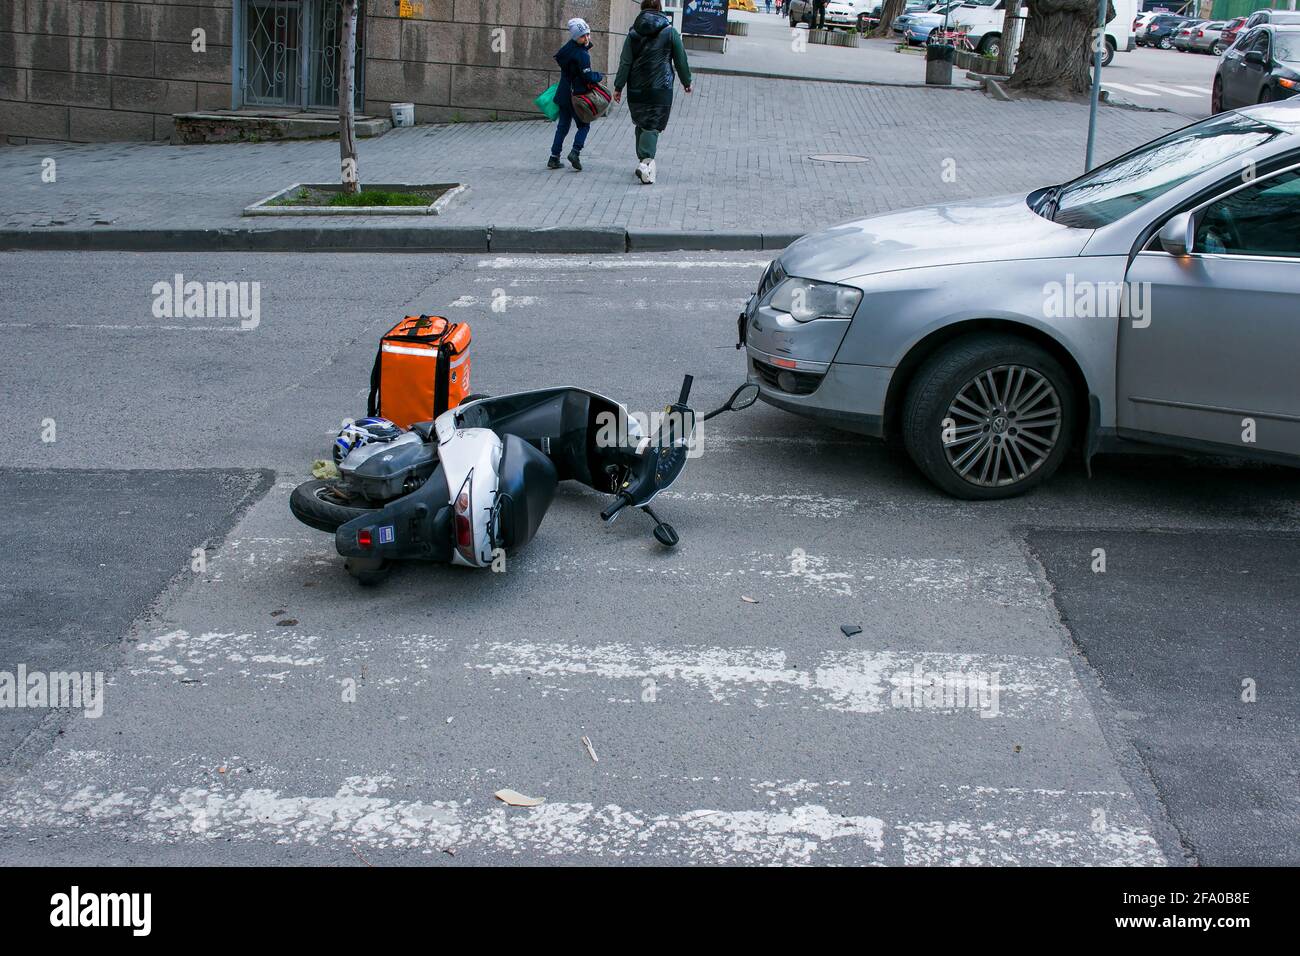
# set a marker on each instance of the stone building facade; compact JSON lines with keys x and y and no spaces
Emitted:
{"x":94,"y":70}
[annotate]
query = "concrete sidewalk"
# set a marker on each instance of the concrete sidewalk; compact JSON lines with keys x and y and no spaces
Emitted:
{"x":736,"y":170}
{"x":771,"y":50}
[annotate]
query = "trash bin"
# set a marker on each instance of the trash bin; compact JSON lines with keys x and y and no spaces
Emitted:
{"x":939,"y":58}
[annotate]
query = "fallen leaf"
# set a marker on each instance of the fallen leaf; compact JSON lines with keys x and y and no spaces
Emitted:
{"x":516,"y":799}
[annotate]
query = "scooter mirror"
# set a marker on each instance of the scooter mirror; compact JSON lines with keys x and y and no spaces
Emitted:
{"x":743,"y":397}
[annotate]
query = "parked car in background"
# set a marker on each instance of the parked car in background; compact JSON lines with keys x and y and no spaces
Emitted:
{"x":1261,"y":67}
{"x":1160,"y":29}
{"x":1277,"y":17}
{"x":1229,"y":35}
{"x":1206,"y":37}
{"x":848,"y":14}
{"x":984,"y":19}
{"x":1182,"y":34}
{"x":1140,"y":22}
{"x":965,"y":328}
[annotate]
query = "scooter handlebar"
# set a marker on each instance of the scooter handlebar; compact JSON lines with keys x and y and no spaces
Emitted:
{"x":686,"y":389}
{"x":623,"y":501}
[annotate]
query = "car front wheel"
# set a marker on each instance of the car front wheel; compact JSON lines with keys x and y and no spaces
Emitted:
{"x":988,"y":416}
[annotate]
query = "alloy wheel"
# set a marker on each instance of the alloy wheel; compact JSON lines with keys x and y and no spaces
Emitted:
{"x":1002,"y":425}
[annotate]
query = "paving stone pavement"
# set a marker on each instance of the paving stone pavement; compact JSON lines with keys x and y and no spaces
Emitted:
{"x":736,"y":157}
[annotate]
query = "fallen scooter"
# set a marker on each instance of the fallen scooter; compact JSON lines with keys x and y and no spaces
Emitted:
{"x":477,"y":481}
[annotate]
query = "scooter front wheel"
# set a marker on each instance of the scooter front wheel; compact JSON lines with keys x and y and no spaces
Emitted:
{"x":320,"y":504}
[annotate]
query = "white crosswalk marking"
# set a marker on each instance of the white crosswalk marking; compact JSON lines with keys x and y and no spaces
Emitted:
{"x":1171,"y":91}
{"x":772,"y":742}
{"x":1155,"y":89}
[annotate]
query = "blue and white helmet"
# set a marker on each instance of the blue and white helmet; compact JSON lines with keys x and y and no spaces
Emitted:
{"x":361,"y":432}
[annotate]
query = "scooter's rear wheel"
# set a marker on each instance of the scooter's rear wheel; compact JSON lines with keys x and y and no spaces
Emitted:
{"x":322,"y":505}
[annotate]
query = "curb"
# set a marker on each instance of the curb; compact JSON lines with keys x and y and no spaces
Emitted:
{"x":593,"y":240}
{"x":723,"y":71}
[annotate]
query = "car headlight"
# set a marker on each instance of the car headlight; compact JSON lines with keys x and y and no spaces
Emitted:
{"x":805,"y":300}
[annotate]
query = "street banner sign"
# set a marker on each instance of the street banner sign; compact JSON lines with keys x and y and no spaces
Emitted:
{"x":705,"y":18}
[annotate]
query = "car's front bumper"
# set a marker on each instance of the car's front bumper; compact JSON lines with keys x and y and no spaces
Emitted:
{"x":851,"y":397}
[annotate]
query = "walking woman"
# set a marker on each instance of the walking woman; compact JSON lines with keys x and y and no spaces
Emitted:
{"x":651,"y":53}
{"x":576,"y":76}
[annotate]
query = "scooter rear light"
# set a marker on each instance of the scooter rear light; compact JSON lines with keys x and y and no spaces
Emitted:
{"x":464,"y":521}
{"x":364,"y":540}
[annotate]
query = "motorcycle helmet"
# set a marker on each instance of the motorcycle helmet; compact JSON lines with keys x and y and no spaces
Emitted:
{"x":361,"y":432}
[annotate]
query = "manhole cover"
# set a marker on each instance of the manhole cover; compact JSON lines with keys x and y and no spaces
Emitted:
{"x":838,"y":158}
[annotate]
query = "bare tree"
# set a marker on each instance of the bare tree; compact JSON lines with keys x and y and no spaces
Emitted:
{"x":1056,"y":53}
{"x":349,"y":11}
{"x":889,"y":12}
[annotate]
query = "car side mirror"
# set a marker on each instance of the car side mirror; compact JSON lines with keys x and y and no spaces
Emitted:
{"x":1256,"y":57}
{"x":1178,"y":235}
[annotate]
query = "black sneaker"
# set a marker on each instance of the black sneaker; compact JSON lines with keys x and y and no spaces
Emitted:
{"x":575,"y":160}
{"x":553,"y":163}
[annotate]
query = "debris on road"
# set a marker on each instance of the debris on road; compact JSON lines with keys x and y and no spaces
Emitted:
{"x":324,"y":470}
{"x":748,"y":600}
{"x":516,"y":799}
{"x":850,"y":629}
{"x":586,"y":742}
{"x":286,"y":622}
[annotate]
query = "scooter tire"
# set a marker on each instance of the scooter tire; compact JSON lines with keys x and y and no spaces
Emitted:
{"x":314,"y":505}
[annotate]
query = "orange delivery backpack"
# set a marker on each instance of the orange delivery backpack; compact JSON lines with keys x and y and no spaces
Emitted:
{"x":420,"y":371}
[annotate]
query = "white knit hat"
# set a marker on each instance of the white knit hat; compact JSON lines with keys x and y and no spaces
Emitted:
{"x":578,"y":28}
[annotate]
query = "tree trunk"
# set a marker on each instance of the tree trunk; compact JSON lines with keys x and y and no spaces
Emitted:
{"x":348,"y":12}
{"x":1056,"y":53}
{"x":888,"y":13}
{"x":1011,"y":26}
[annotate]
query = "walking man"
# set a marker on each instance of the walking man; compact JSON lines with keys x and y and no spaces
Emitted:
{"x":652,"y":52}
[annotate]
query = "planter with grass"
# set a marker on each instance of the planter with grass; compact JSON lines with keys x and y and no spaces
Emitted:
{"x":374,"y":199}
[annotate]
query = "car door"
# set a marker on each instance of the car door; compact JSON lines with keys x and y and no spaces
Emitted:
{"x":1255,"y":74}
{"x":1234,"y":72}
{"x":1209,"y":359}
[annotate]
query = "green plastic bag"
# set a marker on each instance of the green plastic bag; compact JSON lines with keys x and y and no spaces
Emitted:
{"x":546,"y":102}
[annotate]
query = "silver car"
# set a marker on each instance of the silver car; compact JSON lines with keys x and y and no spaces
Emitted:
{"x":1155,"y":299}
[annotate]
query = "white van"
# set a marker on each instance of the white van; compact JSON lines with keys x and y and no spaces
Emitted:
{"x":985,"y":17}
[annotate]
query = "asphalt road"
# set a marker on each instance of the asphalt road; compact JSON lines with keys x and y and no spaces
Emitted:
{"x":269,"y":710}
{"x":80,"y":560}
{"x":1162,"y":79}
{"x":1198,"y":630}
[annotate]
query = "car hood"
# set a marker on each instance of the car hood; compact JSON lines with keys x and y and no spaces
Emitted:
{"x":983,"y":230}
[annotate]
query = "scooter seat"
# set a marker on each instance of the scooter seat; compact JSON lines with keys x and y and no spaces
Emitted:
{"x":525,"y":489}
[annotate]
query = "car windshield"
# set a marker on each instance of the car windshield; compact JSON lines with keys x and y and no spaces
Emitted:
{"x":1115,"y":189}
